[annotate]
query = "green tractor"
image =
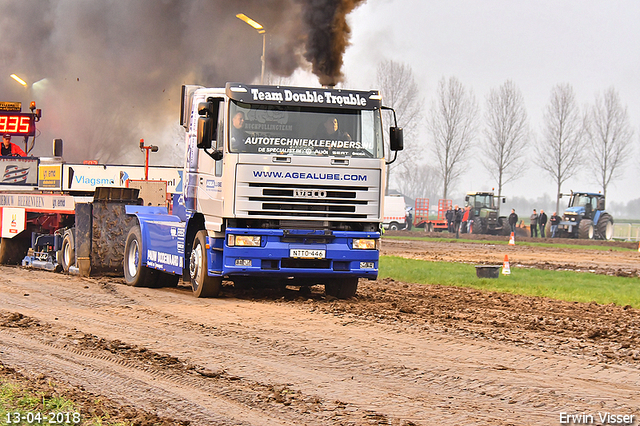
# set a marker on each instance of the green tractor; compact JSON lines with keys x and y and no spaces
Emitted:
{"x":486,"y":219}
{"x":585,"y":217}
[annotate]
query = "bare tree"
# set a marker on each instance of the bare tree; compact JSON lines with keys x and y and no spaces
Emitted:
{"x":610,"y":136}
{"x":561,"y":150}
{"x":400,"y":92}
{"x":419,"y":181}
{"x":506,"y":134}
{"x":453,"y":126}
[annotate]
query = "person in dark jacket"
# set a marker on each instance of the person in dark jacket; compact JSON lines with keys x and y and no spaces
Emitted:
{"x":457,"y":220}
{"x":542,"y":222}
{"x":449,"y":215}
{"x":554,"y":221}
{"x":513,"y":220}
{"x":533,"y":223}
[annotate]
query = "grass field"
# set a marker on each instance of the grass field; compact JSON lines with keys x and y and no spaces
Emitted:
{"x":506,"y":242}
{"x":561,"y":285}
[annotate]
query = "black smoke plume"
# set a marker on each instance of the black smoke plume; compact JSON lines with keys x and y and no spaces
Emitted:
{"x":107,"y":73}
{"x":328,"y":36}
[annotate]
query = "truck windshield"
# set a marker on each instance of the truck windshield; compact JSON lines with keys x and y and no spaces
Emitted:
{"x":293,"y":130}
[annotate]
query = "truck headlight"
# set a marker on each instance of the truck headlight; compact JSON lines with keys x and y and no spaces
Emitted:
{"x":365,"y":243}
{"x":244,"y":240}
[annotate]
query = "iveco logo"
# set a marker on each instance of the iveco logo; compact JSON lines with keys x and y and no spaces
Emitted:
{"x":307,"y":193}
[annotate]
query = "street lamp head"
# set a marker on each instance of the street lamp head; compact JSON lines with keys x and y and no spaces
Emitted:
{"x":19,"y":80}
{"x":251,"y":22}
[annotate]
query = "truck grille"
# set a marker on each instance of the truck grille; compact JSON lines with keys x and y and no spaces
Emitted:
{"x":304,"y":200}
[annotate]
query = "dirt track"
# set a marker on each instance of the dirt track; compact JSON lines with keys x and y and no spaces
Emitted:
{"x":398,"y":353}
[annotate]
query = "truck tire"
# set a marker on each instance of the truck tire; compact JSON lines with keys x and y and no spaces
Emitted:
{"x":605,"y":226}
{"x":342,"y":288}
{"x":585,"y":229}
{"x":393,"y":226}
{"x":202,"y":284}
{"x":68,"y":251}
{"x":135,"y":273}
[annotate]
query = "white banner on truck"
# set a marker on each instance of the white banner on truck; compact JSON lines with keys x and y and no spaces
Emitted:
{"x":85,"y":177}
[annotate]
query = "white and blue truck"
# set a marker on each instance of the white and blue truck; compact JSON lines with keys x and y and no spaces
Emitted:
{"x":280,"y":185}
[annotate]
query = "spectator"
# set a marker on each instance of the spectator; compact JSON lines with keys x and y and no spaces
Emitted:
{"x":9,"y":148}
{"x":457,"y":220}
{"x":409,"y":218}
{"x":534,"y":223}
{"x":513,"y":220}
{"x":449,"y":215}
{"x":555,"y":221}
{"x":542,"y":221}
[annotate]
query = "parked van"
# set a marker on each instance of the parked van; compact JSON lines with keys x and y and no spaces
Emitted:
{"x":394,"y":213}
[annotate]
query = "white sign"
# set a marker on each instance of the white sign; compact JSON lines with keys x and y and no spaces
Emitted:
{"x":86,"y":177}
{"x":14,"y":221}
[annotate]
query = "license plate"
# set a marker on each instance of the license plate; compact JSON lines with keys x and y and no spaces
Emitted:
{"x":307,"y":254}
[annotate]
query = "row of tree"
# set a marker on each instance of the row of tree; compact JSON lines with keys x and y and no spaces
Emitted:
{"x":599,"y":135}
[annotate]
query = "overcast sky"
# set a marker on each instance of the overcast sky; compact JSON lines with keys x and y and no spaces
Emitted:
{"x":107,"y":73}
{"x":590,"y":44}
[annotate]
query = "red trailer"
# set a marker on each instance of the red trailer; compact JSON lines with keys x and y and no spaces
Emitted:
{"x":421,"y":211}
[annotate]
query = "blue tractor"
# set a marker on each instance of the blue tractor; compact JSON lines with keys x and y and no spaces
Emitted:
{"x":586,"y":218}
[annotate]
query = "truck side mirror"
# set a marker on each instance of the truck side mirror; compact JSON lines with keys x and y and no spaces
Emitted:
{"x":396,"y":142}
{"x":205,"y":133}
{"x":207,"y":122}
{"x":504,"y":200}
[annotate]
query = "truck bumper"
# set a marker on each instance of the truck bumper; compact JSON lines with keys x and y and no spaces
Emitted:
{"x":294,"y":253}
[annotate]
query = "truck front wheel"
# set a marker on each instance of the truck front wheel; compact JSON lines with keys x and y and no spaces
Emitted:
{"x":135,"y":273}
{"x":342,"y":288}
{"x":202,"y":284}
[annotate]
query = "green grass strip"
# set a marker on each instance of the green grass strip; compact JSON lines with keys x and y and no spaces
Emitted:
{"x":560,"y":285}
{"x":506,"y":241}
{"x":20,"y":405}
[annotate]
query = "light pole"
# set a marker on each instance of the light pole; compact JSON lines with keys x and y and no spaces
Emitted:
{"x":260,"y":30}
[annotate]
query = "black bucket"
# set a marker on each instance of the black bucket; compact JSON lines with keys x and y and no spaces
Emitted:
{"x":488,"y":271}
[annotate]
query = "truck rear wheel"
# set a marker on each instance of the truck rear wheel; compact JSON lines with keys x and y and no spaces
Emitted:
{"x":202,"y":284}
{"x":342,"y":288}
{"x":68,"y":251}
{"x":135,"y":273}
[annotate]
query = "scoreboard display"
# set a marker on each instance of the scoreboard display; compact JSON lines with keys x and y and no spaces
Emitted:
{"x":17,"y":123}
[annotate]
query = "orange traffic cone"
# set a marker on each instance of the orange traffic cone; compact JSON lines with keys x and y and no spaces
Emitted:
{"x":506,"y":270}
{"x":512,"y":240}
